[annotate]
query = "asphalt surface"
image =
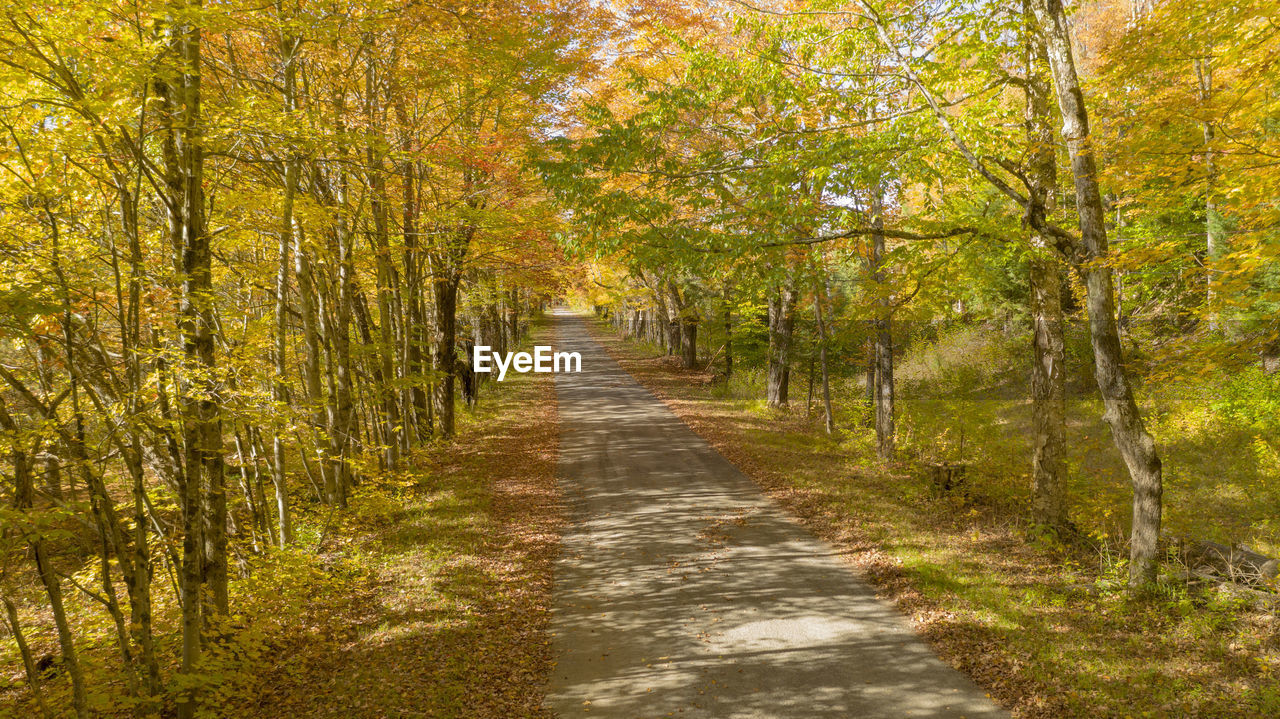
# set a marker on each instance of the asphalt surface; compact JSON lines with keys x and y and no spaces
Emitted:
{"x":684,"y":591}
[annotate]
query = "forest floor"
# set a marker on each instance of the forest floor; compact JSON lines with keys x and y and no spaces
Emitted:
{"x":1046,"y":628}
{"x":450,"y":574}
{"x":429,"y":596}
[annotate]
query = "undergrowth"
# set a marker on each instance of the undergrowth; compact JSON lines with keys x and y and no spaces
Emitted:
{"x":1047,"y":626}
{"x":427,"y":596}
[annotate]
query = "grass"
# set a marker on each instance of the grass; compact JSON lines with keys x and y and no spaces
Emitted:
{"x":964,"y":397}
{"x":1046,"y":628}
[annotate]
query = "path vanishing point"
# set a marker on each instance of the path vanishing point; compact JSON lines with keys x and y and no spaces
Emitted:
{"x":682,"y":590}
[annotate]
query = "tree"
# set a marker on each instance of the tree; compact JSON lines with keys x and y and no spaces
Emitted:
{"x":1122,"y":412}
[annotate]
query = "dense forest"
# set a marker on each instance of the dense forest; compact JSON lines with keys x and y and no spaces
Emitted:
{"x":1028,"y":249}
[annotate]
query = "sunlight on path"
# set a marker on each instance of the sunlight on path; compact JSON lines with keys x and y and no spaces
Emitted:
{"x":683,"y":591}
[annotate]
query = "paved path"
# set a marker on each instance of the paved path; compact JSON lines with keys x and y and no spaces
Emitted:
{"x":684,"y":591}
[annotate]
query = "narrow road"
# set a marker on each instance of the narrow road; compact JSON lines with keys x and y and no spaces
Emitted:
{"x":684,"y":591}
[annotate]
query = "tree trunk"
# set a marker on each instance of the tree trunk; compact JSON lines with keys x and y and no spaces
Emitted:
{"x":513,"y":317}
{"x":493,"y":315}
{"x":819,"y":296}
{"x":65,"y":641}
{"x":728,"y":333}
{"x":673,"y":328}
{"x":342,"y":428}
{"x":883,"y":337}
{"x":1048,"y":409}
{"x":686,"y":323}
{"x":280,"y":386}
{"x":23,"y":496}
{"x":28,"y":665}
{"x":202,"y":496}
{"x":1271,"y":356}
{"x":663,"y":322}
{"x":1122,"y":413}
{"x":308,"y":307}
{"x":138,"y":580}
{"x":1212,"y":220}
{"x":333,"y":451}
{"x":869,"y":378}
{"x":414,"y":337}
{"x":386,"y":275}
{"x":781,"y":327}
{"x":810,"y":375}
{"x":689,"y":338}
{"x":364,"y":326}
{"x":446,"y":304}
